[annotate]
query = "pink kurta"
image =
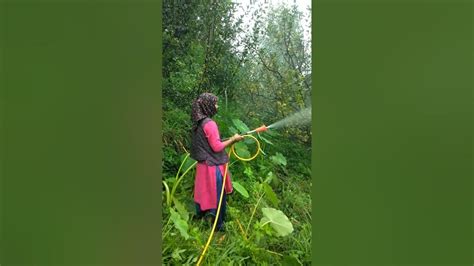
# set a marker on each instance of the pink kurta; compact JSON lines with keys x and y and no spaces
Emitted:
{"x":205,"y":191}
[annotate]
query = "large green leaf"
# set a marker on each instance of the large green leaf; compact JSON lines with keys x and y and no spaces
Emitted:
{"x":249,"y":141}
{"x":278,"y":221}
{"x":232,"y":130}
{"x":179,"y":224}
{"x":279,"y":159}
{"x":239,"y":188}
{"x":270,"y":194}
{"x":242,"y":150}
{"x":241,"y":126}
{"x":181,"y":209}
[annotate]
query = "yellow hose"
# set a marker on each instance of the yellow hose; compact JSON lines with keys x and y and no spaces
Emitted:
{"x":231,"y":151}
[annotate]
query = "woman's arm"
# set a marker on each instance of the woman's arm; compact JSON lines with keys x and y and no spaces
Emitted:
{"x":212,"y":134}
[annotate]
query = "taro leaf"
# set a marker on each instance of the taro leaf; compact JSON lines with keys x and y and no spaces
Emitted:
{"x":278,"y":220}
{"x":242,"y":150}
{"x":181,"y":209}
{"x":240,"y":125}
{"x":239,"y":188}
{"x":252,"y":146}
{"x":279,"y":158}
{"x":180,"y":224}
{"x":270,"y":195}
{"x":248,"y":141}
{"x":232,"y":130}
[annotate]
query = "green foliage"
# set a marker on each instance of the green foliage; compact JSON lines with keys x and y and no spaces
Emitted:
{"x":267,"y":234}
{"x":242,"y":150}
{"x":239,"y":188}
{"x":276,"y":78}
{"x":265,"y":139}
{"x":279,"y":159}
{"x":248,"y":172}
{"x":180,"y":224}
{"x":189,"y":163}
{"x":278,"y":220}
{"x":181,"y":209}
{"x":176,"y":133}
{"x":270,"y":194}
{"x":240,"y":125}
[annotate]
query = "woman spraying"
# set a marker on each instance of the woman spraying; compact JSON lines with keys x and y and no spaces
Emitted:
{"x":209,"y":151}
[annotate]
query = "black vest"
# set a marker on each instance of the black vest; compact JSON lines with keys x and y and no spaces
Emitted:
{"x":201,"y":151}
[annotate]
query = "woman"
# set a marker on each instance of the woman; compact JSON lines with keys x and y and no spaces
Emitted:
{"x":208,"y":149}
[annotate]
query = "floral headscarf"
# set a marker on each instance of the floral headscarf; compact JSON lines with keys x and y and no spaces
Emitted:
{"x":204,"y":106}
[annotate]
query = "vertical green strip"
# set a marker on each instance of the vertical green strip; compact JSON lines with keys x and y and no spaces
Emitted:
{"x":2,"y":117}
{"x":158,"y":130}
{"x":82,"y":153}
{"x":393,"y":151}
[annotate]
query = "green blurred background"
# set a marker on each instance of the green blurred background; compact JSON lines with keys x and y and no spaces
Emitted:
{"x":392,"y":127}
{"x":81,"y":137}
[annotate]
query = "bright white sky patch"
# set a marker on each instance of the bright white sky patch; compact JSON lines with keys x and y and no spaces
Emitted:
{"x":247,"y":6}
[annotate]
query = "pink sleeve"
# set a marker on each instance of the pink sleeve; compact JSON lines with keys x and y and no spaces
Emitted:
{"x":212,"y":135}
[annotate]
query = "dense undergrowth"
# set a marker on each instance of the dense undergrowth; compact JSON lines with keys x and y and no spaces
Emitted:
{"x":268,"y":216}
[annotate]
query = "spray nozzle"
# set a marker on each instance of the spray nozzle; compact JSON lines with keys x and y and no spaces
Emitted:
{"x":262,"y":128}
{"x":259,"y":129}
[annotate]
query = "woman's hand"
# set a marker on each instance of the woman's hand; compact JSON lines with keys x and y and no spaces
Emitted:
{"x":232,"y":139}
{"x":236,"y":138}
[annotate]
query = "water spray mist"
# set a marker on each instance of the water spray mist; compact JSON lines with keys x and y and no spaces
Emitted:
{"x":301,"y":118}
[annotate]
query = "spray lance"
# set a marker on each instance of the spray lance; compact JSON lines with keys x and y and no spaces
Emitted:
{"x":258,"y":130}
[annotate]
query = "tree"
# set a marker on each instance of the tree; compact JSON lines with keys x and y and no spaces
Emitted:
{"x":198,"y":56}
{"x":278,"y":80}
